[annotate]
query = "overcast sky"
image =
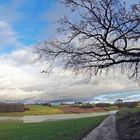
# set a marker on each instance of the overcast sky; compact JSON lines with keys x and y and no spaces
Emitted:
{"x":25,"y":23}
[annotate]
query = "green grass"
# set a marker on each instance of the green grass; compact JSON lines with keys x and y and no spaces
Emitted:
{"x":35,"y":110}
{"x":73,"y":129}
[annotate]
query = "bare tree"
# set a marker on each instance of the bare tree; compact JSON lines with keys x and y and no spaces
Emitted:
{"x":108,"y":33}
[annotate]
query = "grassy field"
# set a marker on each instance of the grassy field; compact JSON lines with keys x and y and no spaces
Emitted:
{"x":35,"y":110}
{"x":73,"y":129}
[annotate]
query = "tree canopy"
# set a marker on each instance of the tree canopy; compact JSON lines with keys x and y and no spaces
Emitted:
{"x":108,"y":36}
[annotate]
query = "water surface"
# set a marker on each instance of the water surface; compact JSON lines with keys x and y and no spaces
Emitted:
{"x":45,"y":118}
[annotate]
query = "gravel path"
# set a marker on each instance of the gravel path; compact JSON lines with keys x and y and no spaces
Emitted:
{"x":106,"y":131}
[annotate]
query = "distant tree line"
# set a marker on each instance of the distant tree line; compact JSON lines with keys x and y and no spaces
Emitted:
{"x":11,"y":107}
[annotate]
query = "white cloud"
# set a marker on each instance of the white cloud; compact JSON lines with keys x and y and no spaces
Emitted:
{"x":17,"y":94}
{"x":8,"y":37}
{"x":21,"y":79}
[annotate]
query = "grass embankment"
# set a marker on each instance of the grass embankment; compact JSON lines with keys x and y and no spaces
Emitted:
{"x":127,"y":111}
{"x":128,"y":124}
{"x":35,"y":110}
{"x":73,"y":129}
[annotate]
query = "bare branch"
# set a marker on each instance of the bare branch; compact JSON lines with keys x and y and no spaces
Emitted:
{"x":108,"y":34}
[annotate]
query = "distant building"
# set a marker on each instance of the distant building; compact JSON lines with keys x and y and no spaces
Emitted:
{"x":11,"y":107}
{"x":118,"y":101}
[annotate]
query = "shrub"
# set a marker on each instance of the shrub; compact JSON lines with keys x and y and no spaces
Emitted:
{"x":87,"y":105}
{"x":47,"y":104}
{"x":78,"y":103}
{"x":128,"y":104}
{"x":75,"y":105}
{"x":121,"y":105}
{"x":26,"y":109}
{"x":102,"y":105}
{"x":131,"y":104}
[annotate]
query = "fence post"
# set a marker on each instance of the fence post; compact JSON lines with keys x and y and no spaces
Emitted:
{"x":75,"y":132}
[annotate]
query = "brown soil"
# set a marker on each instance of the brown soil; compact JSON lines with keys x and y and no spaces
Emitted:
{"x":71,"y":109}
{"x":129,"y":127}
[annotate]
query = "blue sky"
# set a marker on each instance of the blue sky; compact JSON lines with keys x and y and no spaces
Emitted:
{"x":27,"y":20}
{"x":31,"y":20}
{"x":23,"y":24}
